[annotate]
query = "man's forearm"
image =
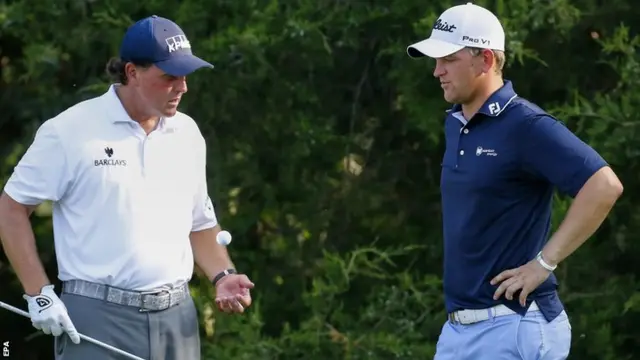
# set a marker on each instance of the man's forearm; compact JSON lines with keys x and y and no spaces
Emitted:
{"x":19,"y":245}
{"x":587,"y":212}
{"x":211,"y":257}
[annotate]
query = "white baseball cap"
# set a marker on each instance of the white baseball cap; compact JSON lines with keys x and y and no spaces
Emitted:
{"x":458,"y":27}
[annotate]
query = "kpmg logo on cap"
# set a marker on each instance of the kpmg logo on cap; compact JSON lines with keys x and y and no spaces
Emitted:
{"x":177,"y":42}
{"x":444,"y":26}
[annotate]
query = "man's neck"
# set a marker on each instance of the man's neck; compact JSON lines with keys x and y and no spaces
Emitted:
{"x":128,"y":100}
{"x":483,"y":93}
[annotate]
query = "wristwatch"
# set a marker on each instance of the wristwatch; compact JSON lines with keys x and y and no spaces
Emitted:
{"x":222,"y":274}
{"x":544,"y":263}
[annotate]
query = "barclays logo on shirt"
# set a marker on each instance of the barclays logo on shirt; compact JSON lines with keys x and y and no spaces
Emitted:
{"x":109,"y":161}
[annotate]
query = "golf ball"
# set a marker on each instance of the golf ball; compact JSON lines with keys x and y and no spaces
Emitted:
{"x":223,"y":237}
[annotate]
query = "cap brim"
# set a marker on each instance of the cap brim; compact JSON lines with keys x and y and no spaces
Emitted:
{"x":182,"y":65}
{"x":432,"y":48}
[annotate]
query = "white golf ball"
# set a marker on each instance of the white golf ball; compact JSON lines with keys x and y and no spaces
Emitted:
{"x":223,"y":238}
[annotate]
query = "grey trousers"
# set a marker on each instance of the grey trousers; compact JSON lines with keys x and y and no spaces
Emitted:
{"x":171,"y":334}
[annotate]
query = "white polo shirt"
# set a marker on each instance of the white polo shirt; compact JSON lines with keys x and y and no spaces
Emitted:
{"x":124,"y":203}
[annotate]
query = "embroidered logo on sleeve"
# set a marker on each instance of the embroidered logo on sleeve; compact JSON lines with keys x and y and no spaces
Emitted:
{"x":208,"y":207}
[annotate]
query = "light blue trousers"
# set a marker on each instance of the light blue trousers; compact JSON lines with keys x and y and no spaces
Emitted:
{"x":509,"y":337}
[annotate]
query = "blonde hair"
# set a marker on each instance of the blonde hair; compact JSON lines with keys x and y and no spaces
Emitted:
{"x":497,"y":54}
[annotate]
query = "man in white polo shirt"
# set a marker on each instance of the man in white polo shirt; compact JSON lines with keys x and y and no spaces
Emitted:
{"x":126,"y":174}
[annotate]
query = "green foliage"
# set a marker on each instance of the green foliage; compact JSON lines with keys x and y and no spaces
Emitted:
{"x":324,"y":144}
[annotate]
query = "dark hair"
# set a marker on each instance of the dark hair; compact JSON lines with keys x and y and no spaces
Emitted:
{"x":115,"y":69}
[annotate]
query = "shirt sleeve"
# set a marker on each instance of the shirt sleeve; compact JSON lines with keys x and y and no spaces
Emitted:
{"x":204,"y":214}
{"x":42,"y":172}
{"x":553,"y":153}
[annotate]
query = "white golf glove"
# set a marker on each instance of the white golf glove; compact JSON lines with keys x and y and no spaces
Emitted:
{"x":49,"y":314}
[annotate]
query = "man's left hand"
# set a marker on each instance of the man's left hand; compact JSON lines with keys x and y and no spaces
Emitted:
{"x":232,"y":293}
{"x":526,"y":278}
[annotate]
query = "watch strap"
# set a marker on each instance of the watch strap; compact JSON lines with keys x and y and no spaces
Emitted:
{"x":223,"y":274}
{"x":544,"y":264}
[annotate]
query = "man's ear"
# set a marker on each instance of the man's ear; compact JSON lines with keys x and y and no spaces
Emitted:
{"x":132,"y":73}
{"x":488,"y":60}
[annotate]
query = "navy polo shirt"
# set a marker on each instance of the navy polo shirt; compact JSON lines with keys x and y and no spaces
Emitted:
{"x":499,"y":173}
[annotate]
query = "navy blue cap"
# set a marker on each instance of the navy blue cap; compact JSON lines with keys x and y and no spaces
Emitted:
{"x":162,"y":42}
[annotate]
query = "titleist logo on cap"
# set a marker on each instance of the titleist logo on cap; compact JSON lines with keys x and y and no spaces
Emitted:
{"x":444,"y":26}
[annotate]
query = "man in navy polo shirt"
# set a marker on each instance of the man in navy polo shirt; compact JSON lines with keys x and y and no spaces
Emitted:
{"x":504,"y":158}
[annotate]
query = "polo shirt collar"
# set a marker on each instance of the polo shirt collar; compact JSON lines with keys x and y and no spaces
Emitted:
{"x":496,"y":103}
{"x":118,"y":114}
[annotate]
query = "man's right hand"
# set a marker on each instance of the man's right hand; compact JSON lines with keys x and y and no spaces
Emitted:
{"x":49,"y":314}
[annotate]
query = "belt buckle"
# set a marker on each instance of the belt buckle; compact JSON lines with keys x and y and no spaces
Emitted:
{"x":452,"y":318}
{"x":175,"y":296}
{"x":144,"y":299}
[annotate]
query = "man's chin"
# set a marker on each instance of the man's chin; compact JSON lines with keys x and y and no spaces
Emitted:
{"x":169,"y":111}
{"x":452,"y":98}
